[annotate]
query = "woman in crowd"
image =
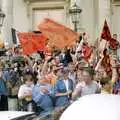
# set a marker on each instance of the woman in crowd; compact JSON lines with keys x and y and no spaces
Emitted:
{"x":25,"y":93}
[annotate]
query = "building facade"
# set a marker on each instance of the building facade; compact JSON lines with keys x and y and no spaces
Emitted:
{"x":25,"y":15}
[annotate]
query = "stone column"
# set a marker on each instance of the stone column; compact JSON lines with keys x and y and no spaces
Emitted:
{"x":7,"y":7}
{"x":0,"y":3}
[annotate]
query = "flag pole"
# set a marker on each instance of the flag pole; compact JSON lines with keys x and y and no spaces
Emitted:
{"x":97,"y":50}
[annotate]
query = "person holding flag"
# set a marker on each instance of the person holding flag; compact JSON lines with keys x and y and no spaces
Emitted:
{"x":111,"y":44}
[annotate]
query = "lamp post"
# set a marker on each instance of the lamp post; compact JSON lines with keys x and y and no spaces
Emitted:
{"x":2,"y":16}
{"x":75,"y":11}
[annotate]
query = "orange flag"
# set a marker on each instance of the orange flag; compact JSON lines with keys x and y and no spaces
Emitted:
{"x":58,"y":35}
{"x":106,"y":35}
{"x":32,"y":42}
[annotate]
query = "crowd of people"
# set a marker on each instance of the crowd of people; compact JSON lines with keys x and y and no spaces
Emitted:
{"x":43,"y":83}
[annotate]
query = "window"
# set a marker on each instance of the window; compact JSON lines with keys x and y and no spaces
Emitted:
{"x":116,"y":1}
{"x":55,"y":14}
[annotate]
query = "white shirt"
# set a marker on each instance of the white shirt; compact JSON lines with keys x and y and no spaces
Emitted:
{"x":118,"y":53}
{"x":24,"y":89}
{"x":87,"y":89}
{"x":72,"y":76}
{"x":66,"y":82}
{"x":79,"y":48}
{"x":63,"y":56}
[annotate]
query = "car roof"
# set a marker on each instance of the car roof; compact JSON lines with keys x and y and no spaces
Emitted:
{"x":8,"y":115}
{"x":94,"y":107}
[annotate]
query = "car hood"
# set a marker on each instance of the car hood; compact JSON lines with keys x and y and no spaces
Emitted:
{"x":94,"y":107}
{"x":8,"y":115}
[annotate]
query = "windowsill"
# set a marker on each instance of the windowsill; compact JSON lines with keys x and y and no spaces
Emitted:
{"x":34,"y":1}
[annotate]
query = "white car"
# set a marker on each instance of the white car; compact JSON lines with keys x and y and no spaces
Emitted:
{"x":15,"y":115}
{"x":19,"y":115}
{"x":94,"y":107}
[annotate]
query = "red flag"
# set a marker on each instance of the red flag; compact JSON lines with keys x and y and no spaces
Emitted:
{"x":58,"y":35}
{"x":106,"y":35}
{"x":32,"y":42}
{"x":114,"y":44}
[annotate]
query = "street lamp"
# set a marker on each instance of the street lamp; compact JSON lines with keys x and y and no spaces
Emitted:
{"x":75,"y":11}
{"x":2,"y":16}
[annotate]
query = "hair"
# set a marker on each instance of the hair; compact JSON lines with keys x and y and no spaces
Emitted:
{"x":105,"y":81}
{"x":80,"y":38}
{"x":114,"y":34}
{"x":65,"y":71}
{"x":118,"y":71}
{"x":27,"y":78}
{"x":56,"y":71}
{"x":84,"y":34}
{"x":89,"y":70}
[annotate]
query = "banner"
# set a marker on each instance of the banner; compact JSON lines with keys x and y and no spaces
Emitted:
{"x":59,"y":36}
{"x":32,"y":42}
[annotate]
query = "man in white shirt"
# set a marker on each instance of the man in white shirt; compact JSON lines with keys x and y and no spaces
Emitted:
{"x":88,"y":86}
